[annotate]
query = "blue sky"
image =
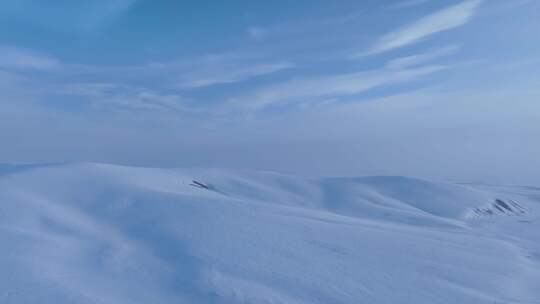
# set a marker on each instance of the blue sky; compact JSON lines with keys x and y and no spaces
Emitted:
{"x":438,"y":89}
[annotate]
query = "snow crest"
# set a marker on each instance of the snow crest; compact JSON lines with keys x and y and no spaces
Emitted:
{"x":97,"y":233}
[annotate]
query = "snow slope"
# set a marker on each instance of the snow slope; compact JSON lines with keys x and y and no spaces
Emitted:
{"x":96,"y":233}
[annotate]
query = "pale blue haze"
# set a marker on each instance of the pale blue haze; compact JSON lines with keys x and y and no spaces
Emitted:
{"x":438,"y":89}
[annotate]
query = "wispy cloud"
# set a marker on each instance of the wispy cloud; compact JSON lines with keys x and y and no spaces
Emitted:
{"x":407,"y":3}
{"x":19,"y":58}
{"x":122,"y":88}
{"x":442,"y":20}
{"x":118,"y":97}
{"x":311,"y":89}
{"x":517,"y":64}
{"x":218,"y":72}
{"x":413,"y":60}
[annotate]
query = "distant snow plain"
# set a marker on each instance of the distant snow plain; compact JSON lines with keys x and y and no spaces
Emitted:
{"x":99,"y":233}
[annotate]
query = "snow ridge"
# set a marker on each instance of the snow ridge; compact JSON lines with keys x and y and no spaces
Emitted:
{"x":98,"y":233}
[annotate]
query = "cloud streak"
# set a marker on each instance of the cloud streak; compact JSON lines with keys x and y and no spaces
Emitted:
{"x":407,"y":3}
{"x":118,"y":97}
{"x":218,"y":73}
{"x":311,"y":89}
{"x":18,"y":58}
{"x":413,"y":60}
{"x":443,"y":20}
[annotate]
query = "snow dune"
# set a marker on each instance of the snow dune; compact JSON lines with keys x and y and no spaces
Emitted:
{"x":96,"y":233}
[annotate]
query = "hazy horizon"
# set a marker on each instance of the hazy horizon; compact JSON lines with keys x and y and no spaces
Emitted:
{"x":444,"y":90}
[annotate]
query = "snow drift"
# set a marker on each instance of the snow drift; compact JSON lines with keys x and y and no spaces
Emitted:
{"x":95,"y":233}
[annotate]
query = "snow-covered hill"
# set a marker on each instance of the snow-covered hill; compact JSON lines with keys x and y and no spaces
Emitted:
{"x":96,"y":233}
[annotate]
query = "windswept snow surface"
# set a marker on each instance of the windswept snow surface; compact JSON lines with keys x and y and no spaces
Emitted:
{"x":96,"y":233}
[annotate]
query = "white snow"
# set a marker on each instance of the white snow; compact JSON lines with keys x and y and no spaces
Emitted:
{"x":96,"y":233}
